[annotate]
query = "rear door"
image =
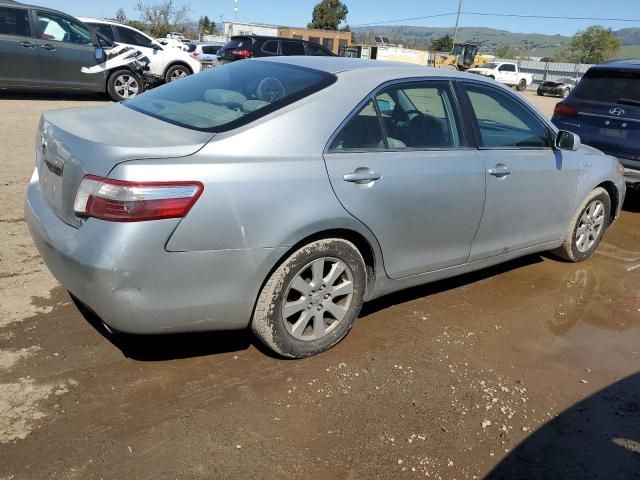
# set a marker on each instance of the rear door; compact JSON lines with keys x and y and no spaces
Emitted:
{"x":604,"y":110}
{"x":66,"y":47}
{"x":401,"y":165}
{"x":19,"y":54}
{"x":531,"y":187}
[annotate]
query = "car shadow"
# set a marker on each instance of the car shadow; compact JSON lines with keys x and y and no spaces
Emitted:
{"x":52,"y":96}
{"x":171,"y":346}
{"x":598,"y":437}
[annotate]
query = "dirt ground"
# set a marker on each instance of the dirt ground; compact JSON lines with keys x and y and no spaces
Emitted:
{"x":527,"y":370}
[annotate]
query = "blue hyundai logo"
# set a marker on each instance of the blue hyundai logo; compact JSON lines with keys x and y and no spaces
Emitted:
{"x":617,"y":111}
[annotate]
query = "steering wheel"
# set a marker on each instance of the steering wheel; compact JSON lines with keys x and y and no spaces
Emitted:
{"x":270,"y":89}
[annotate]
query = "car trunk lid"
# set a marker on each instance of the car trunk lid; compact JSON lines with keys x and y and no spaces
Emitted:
{"x":76,"y":142}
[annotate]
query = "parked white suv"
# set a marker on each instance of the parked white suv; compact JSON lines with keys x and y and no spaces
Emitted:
{"x":505,"y":72}
{"x":166,"y":63}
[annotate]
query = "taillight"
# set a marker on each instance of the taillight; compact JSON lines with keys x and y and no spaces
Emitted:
{"x":123,"y":201}
{"x":240,"y":53}
{"x":565,"y":110}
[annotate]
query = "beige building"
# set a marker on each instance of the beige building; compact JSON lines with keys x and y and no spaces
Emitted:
{"x":329,"y":39}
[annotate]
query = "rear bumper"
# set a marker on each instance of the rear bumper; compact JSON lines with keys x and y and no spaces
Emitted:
{"x":123,"y":273}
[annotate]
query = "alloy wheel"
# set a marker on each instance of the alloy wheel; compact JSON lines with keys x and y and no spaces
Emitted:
{"x":126,"y":86}
{"x":590,"y":226}
{"x":178,"y":74}
{"x":317,"y":299}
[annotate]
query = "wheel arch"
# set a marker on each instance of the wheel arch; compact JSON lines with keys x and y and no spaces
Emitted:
{"x":614,"y":195}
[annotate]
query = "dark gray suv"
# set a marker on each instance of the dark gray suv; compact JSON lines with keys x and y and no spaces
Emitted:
{"x":41,"y":48}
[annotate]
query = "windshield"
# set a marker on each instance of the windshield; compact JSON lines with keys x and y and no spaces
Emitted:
{"x":490,"y":66}
{"x":228,"y":97}
{"x":611,"y":86}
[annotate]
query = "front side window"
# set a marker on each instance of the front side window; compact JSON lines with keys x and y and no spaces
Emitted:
{"x":14,"y":21}
{"x":507,"y":68}
{"x":270,"y":46}
{"x":362,"y":132}
{"x":504,"y":121}
{"x":224,"y":98}
{"x":292,"y":48}
{"x":314,"y":49}
{"x":419,"y":115}
{"x":62,"y":29}
{"x":132,"y":37}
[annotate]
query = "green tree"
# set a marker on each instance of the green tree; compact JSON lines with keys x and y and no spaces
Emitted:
{"x":505,"y":51}
{"x":442,"y":44}
{"x":593,"y":45}
{"x":328,"y":14}
{"x":162,"y":17}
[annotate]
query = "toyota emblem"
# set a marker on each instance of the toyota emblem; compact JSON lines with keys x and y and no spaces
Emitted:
{"x":617,"y":111}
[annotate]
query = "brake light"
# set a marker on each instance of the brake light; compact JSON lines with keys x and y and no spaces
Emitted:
{"x":123,"y":201}
{"x":241,"y":53}
{"x":565,"y":110}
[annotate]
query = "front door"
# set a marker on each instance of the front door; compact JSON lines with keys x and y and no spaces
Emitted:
{"x":66,"y":48}
{"x":401,"y":166}
{"x":531,"y":187}
{"x":19,"y":61}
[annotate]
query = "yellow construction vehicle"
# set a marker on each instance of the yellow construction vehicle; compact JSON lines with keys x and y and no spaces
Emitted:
{"x":463,"y":57}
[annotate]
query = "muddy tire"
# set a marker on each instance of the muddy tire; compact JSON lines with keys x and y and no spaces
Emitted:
{"x":124,"y":84}
{"x":522,"y":85}
{"x":587,"y":227}
{"x":310,"y":301}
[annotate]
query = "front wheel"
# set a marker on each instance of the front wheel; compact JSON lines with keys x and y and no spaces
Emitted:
{"x":587,"y":227}
{"x":311,"y":301}
{"x":176,"y":73}
{"x":124,"y":84}
{"x":522,"y":85}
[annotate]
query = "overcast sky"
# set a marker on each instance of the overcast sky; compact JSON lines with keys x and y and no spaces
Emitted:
{"x":298,"y":12}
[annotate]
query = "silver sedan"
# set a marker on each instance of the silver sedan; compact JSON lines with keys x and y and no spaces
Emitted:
{"x":281,"y":194}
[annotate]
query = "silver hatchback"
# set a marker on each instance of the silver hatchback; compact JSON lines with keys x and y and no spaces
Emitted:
{"x":281,"y":194}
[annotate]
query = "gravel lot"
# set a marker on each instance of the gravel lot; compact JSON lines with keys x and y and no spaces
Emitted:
{"x":528,"y":370}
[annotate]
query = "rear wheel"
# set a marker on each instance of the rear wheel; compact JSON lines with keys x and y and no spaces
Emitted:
{"x":522,"y":85}
{"x":176,"y":73}
{"x":311,"y":301}
{"x":124,"y":84}
{"x":540,"y":94}
{"x":587,"y":227}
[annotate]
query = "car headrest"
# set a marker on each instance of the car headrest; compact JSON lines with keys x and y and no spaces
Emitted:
{"x":227,"y":98}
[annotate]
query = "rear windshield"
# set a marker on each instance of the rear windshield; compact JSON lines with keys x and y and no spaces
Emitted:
{"x":227,"y":97}
{"x":239,"y":42}
{"x":611,"y":86}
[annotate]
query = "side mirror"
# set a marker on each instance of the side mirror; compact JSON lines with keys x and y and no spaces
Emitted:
{"x":99,"y":53}
{"x":385,"y":106}
{"x":156,"y":46}
{"x":567,"y":141}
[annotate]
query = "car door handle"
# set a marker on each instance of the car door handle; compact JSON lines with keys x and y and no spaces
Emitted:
{"x":27,"y":44}
{"x":362,"y":175}
{"x":500,"y":170}
{"x":48,"y":46}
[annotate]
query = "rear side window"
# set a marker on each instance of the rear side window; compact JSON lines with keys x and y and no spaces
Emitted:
{"x":610,"y":86}
{"x":362,"y":132}
{"x":103,"y":29}
{"x":225,"y":98}
{"x":210,"y":49}
{"x":132,"y":37}
{"x":292,"y":48}
{"x":14,"y":21}
{"x":270,"y":46}
{"x":504,"y":121}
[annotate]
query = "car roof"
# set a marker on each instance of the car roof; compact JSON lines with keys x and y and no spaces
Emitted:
{"x":392,"y":70}
{"x":11,"y":3}
{"x":626,"y":64}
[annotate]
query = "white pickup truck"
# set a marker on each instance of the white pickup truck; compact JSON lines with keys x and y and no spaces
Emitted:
{"x":505,"y":72}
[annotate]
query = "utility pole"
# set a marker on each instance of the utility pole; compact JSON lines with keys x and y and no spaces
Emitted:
{"x":455,"y":31}
{"x":235,"y":11}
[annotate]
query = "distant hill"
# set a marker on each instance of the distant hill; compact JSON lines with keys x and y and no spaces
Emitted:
{"x":488,"y":38}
